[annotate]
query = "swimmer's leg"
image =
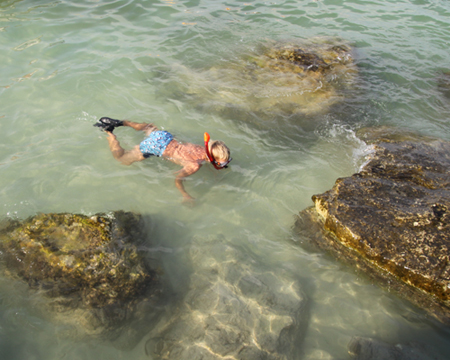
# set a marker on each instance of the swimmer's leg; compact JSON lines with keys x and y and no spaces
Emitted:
{"x":120,"y":154}
{"x":145,"y":127}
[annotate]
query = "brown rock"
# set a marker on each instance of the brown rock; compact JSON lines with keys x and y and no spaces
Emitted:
{"x":392,"y":218}
{"x":90,"y":268}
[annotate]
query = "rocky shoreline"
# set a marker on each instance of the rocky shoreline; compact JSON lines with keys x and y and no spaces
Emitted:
{"x":391,"y":219}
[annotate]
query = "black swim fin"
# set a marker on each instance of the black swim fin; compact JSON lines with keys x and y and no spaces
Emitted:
{"x":108,"y":124}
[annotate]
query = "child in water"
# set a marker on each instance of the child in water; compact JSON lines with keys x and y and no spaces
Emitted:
{"x":161,"y":143}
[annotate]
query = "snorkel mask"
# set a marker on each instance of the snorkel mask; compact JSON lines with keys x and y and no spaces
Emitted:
{"x":217,"y":165}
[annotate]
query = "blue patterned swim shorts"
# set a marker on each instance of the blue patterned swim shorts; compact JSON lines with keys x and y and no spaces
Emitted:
{"x":155,"y":143}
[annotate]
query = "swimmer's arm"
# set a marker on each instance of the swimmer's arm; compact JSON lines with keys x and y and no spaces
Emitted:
{"x":181,"y":175}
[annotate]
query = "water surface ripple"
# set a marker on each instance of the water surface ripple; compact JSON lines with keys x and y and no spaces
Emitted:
{"x":67,"y":63}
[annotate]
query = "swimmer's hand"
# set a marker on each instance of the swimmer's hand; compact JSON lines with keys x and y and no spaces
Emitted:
{"x":186,"y":171}
{"x":188,"y":201}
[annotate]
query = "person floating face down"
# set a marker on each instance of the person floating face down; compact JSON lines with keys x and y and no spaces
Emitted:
{"x":161,"y":143}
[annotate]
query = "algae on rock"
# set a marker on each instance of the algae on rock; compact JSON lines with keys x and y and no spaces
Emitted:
{"x":88,"y":264}
{"x":303,"y":77}
{"x":392,"y":218}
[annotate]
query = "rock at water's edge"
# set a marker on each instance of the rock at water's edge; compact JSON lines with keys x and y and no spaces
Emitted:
{"x":392,"y":219}
{"x":89,"y":268}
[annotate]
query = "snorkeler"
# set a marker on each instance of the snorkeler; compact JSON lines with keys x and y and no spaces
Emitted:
{"x":161,"y":143}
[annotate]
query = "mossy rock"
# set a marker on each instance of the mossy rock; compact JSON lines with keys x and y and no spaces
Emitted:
{"x":273,"y":80}
{"x":392,"y":218}
{"x":91,"y":261}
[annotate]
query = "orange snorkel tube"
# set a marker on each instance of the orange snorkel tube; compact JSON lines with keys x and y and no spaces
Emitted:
{"x":210,"y":157}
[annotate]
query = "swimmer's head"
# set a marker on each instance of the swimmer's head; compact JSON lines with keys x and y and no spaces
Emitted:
{"x":220,"y":152}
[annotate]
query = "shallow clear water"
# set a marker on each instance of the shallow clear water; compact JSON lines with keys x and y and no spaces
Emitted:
{"x":67,"y":63}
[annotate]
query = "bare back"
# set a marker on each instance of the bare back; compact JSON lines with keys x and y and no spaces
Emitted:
{"x":188,"y":155}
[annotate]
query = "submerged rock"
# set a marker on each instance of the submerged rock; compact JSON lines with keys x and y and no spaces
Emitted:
{"x":392,"y":219}
{"x":277,"y":79}
{"x":371,"y":349}
{"x":90,"y":267}
{"x":444,"y":83}
{"x":232,"y":310}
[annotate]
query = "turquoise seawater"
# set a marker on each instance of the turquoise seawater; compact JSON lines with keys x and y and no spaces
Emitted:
{"x":64,"y":64}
